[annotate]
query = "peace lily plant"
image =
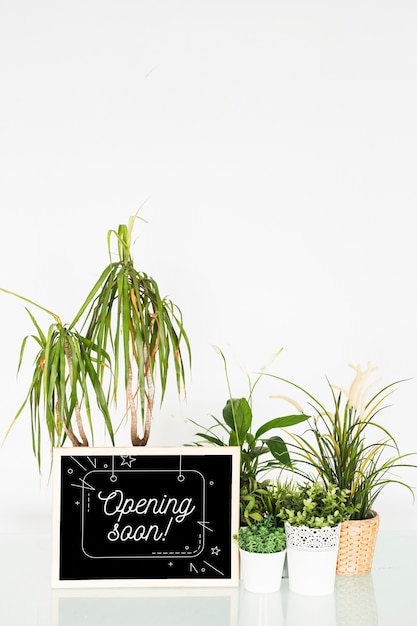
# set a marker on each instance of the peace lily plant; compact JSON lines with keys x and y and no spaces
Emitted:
{"x":260,"y":452}
{"x":345,"y":445}
{"x":125,"y":336}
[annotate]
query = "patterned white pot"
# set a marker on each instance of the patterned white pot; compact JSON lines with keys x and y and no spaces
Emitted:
{"x":312,"y":558}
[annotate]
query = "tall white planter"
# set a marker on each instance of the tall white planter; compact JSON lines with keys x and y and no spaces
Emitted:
{"x":312,"y":558}
{"x":262,"y":573}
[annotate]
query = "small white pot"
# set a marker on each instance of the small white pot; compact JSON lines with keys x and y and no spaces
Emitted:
{"x":262,"y":573}
{"x":312,"y":557}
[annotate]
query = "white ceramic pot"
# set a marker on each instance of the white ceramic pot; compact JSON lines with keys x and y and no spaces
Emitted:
{"x":312,"y":557}
{"x":262,"y":573}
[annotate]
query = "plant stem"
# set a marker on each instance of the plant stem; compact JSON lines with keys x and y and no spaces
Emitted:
{"x":132,"y":409}
{"x":78,"y":417}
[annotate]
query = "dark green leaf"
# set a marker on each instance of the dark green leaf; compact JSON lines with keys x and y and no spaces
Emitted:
{"x":282,"y":422}
{"x":278,"y":449}
{"x":238,"y":416}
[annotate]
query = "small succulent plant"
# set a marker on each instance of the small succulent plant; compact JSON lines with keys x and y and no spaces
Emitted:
{"x":262,"y":536}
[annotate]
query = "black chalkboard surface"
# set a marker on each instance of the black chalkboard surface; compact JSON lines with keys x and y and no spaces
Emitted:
{"x":128,"y":517}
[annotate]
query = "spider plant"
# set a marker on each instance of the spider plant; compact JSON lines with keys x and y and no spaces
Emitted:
{"x":346,"y":446}
{"x":126,"y":317}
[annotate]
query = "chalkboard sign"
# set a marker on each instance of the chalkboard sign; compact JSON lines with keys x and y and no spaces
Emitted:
{"x":128,"y":517}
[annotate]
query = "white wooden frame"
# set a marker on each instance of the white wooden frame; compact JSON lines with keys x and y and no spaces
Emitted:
{"x":78,"y":478}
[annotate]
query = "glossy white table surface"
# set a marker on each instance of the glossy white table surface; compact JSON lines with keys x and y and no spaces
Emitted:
{"x":387,"y":596}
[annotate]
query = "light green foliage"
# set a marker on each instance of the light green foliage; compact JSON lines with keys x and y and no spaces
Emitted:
{"x":255,"y":500}
{"x":262,"y":536}
{"x":313,"y":505}
{"x":346,"y":445}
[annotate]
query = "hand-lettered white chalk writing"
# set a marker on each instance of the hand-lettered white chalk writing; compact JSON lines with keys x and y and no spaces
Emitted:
{"x":116,"y":504}
{"x":140,"y":533}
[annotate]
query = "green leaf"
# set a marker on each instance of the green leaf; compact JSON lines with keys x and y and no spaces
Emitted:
{"x":233,"y":439}
{"x":238,"y":416}
{"x":282,"y":422}
{"x":211,"y":439}
{"x":278,"y":449}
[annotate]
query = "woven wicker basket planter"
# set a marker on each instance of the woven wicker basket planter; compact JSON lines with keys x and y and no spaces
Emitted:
{"x":357,"y":546}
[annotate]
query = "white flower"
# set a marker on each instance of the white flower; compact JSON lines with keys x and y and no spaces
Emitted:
{"x":359,"y":392}
{"x":291,"y":401}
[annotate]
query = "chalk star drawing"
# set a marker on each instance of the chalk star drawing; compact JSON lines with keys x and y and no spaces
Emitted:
{"x":128,"y":460}
{"x":215,"y":551}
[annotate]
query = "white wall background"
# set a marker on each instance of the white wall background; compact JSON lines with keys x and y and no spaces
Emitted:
{"x":274,"y":143}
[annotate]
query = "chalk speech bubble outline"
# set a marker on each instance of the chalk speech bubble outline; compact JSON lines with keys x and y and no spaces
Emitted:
{"x":88,"y":488}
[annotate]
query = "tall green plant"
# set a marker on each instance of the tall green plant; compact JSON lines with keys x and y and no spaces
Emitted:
{"x":346,"y":445}
{"x":126,"y":317}
{"x":130,"y":337}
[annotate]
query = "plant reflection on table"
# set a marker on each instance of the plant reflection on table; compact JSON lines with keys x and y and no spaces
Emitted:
{"x":355,"y":601}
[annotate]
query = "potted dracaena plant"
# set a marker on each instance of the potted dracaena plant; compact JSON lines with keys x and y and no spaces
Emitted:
{"x":124,"y":336}
{"x":262,"y":554}
{"x":347,"y":445}
{"x":260,"y":452}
